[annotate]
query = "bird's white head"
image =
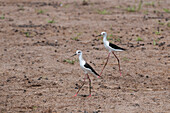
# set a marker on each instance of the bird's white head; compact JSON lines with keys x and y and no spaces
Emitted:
{"x":78,"y":52}
{"x":104,"y":34}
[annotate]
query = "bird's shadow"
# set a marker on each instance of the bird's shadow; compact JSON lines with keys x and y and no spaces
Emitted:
{"x":84,"y":95}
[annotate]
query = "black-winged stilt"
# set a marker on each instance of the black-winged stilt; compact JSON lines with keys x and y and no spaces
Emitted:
{"x":111,"y":47}
{"x":87,"y":69}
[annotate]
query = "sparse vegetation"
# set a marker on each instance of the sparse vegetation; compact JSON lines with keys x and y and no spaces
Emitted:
{"x":111,"y":27}
{"x":118,"y":7}
{"x":168,"y":24}
{"x":166,"y":10}
{"x":51,"y":21}
{"x":21,"y":8}
{"x":103,"y":12}
{"x":34,"y":107}
{"x":27,"y":34}
{"x":161,"y":23}
{"x":110,"y":37}
{"x":156,"y":11}
{"x":66,"y":5}
{"x":145,"y":12}
{"x":139,"y":39}
{"x":125,"y":59}
{"x":131,"y":9}
{"x":117,"y":40}
{"x":150,"y":4}
{"x":154,"y":42}
{"x":40,"y":11}
{"x":77,"y":37}
{"x":157,"y":33}
{"x":134,"y":9}
{"x":140,"y":5}
{"x":2,"y":17}
{"x":159,"y":3}
{"x":69,"y":61}
{"x":96,"y":32}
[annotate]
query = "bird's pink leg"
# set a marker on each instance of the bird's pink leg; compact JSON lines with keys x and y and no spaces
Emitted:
{"x":80,"y":87}
{"x":89,"y":85}
{"x":105,"y":63}
{"x":118,"y":62}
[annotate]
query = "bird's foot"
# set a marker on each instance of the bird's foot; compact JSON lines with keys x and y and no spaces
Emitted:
{"x":89,"y":95}
{"x":99,"y":76}
{"x":75,"y":95}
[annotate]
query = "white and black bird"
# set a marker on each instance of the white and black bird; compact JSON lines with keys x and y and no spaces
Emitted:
{"x":111,"y":47}
{"x":87,"y":69}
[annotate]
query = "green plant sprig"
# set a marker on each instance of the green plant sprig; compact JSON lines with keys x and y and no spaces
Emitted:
{"x":139,"y":39}
{"x":103,"y":12}
{"x":69,"y":61}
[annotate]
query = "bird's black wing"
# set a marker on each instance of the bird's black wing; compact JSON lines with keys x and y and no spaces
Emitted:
{"x":115,"y":46}
{"x":89,"y":67}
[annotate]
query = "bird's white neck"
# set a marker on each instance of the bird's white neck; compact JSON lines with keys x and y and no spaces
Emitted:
{"x":81,"y":58}
{"x":105,"y":38}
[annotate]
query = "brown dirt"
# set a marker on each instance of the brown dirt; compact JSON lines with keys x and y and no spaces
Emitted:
{"x":35,"y":78}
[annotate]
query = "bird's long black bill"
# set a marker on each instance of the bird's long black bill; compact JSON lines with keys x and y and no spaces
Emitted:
{"x":98,"y":35}
{"x":74,"y":55}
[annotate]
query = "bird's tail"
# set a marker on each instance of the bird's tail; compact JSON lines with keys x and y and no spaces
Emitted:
{"x":98,"y":76}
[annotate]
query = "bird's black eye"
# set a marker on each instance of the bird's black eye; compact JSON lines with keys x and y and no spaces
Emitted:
{"x":79,"y":52}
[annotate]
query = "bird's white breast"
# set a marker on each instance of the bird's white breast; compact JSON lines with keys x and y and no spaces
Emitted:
{"x":106,"y":45}
{"x":82,"y":63}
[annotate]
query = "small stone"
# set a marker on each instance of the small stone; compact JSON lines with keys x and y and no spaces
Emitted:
{"x":143,"y":48}
{"x":46,"y":78}
{"x":161,"y":44}
{"x":141,"y":75}
{"x":39,"y":78}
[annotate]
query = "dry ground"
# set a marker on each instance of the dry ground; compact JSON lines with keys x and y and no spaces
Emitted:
{"x":37,"y":36}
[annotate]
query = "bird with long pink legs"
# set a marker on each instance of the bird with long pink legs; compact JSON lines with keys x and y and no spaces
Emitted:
{"x":87,"y":69}
{"x":111,"y":47}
